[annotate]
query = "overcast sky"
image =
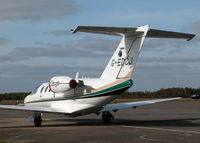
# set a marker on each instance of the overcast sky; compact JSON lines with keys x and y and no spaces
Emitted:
{"x":36,"y":42}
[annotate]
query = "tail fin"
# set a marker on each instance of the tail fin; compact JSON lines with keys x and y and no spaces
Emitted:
{"x":123,"y":61}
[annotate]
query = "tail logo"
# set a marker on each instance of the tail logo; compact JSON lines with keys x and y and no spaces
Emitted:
{"x":120,"y":53}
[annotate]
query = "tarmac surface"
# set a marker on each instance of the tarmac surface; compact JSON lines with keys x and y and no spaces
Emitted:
{"x":169,"y":122}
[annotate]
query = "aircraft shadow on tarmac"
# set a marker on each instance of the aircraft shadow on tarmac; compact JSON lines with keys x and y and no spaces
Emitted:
{"x":119,"y":122}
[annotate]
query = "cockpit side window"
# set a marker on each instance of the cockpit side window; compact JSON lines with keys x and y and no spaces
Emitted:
{"x":46,"y":89}
{"x":41,"y":89}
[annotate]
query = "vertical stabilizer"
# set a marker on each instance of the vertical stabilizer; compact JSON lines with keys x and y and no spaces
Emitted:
{"x":124,"y":59}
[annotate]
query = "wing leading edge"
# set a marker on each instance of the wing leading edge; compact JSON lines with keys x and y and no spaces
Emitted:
{"x":30,"y":108}
{"x":108,"y":107}
{"x":113,"y":107}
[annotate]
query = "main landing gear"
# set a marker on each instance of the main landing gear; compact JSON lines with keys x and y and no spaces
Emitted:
{"x":107,"y":117}
{"x":37,"y":120}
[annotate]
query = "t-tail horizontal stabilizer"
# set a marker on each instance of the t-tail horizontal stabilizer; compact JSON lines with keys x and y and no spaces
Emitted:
{"x":152,"y":33}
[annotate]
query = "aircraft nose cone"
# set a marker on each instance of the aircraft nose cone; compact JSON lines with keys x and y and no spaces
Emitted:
{"x":26,"y":99}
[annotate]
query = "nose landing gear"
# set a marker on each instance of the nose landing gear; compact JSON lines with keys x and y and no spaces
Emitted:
{"x":37,"y":120}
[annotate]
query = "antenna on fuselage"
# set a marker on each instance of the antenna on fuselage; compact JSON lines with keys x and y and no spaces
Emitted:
{"x":77,"y":74}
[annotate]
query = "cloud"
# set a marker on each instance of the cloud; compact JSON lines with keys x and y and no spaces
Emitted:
{"x":26,"y":77}
{"x":86,"y":47}
{"x":153,"y":76}
{"x":155,"y":69}
{"x":36,"y":9}
{"x":168,"y":59}
{"x":97,"y":44}
{"x":195,"y":26}
{"x":59,"y":33}
{"x":45,"y":70}
{"x":160,"y":44}
{"x":95,"y":47}
{"x":4,"y":41}
{"x":154,"y":44}
{"x":38,"y":43}
{"x":176,"y":44}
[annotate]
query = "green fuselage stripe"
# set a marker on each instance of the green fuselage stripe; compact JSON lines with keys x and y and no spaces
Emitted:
{"x":119,"y":86}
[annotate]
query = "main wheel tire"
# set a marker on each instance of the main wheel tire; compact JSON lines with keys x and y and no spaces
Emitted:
{"x":107,"y":117}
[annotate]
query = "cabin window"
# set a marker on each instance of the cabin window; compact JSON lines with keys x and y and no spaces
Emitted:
{"x":41,"y":89}
{"x":46,"y":89}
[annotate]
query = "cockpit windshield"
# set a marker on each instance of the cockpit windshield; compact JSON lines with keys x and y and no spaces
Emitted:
{"x":35,"y":90}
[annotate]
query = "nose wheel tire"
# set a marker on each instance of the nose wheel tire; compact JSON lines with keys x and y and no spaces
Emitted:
{"x":38,"y":120}
{"x":107,"y":117}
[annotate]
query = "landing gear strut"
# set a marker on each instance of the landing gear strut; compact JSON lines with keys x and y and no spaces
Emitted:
{"x":107,"y":117}
{"x":37,"y":120}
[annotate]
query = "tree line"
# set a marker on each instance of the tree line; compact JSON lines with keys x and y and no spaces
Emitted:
{"x":162,"y":93}
{"x":13,"y":96}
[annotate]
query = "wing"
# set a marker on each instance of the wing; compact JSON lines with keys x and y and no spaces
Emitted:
{"x":30,"y":108}
{"x":113,"y":107}
{"x":68,"y":109}
{"x":109,"y":107}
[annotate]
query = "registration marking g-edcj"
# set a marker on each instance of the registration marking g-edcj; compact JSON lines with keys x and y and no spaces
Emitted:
{"x":122,"y":61}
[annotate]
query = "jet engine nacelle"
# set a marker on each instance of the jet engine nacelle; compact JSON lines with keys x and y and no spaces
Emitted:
{"x":60,"y":84}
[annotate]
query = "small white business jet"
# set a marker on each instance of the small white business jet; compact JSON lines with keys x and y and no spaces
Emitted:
{"x":81,"y":96}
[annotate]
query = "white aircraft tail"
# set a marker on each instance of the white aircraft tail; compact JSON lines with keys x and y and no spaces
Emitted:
{"x":123,"y":61}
